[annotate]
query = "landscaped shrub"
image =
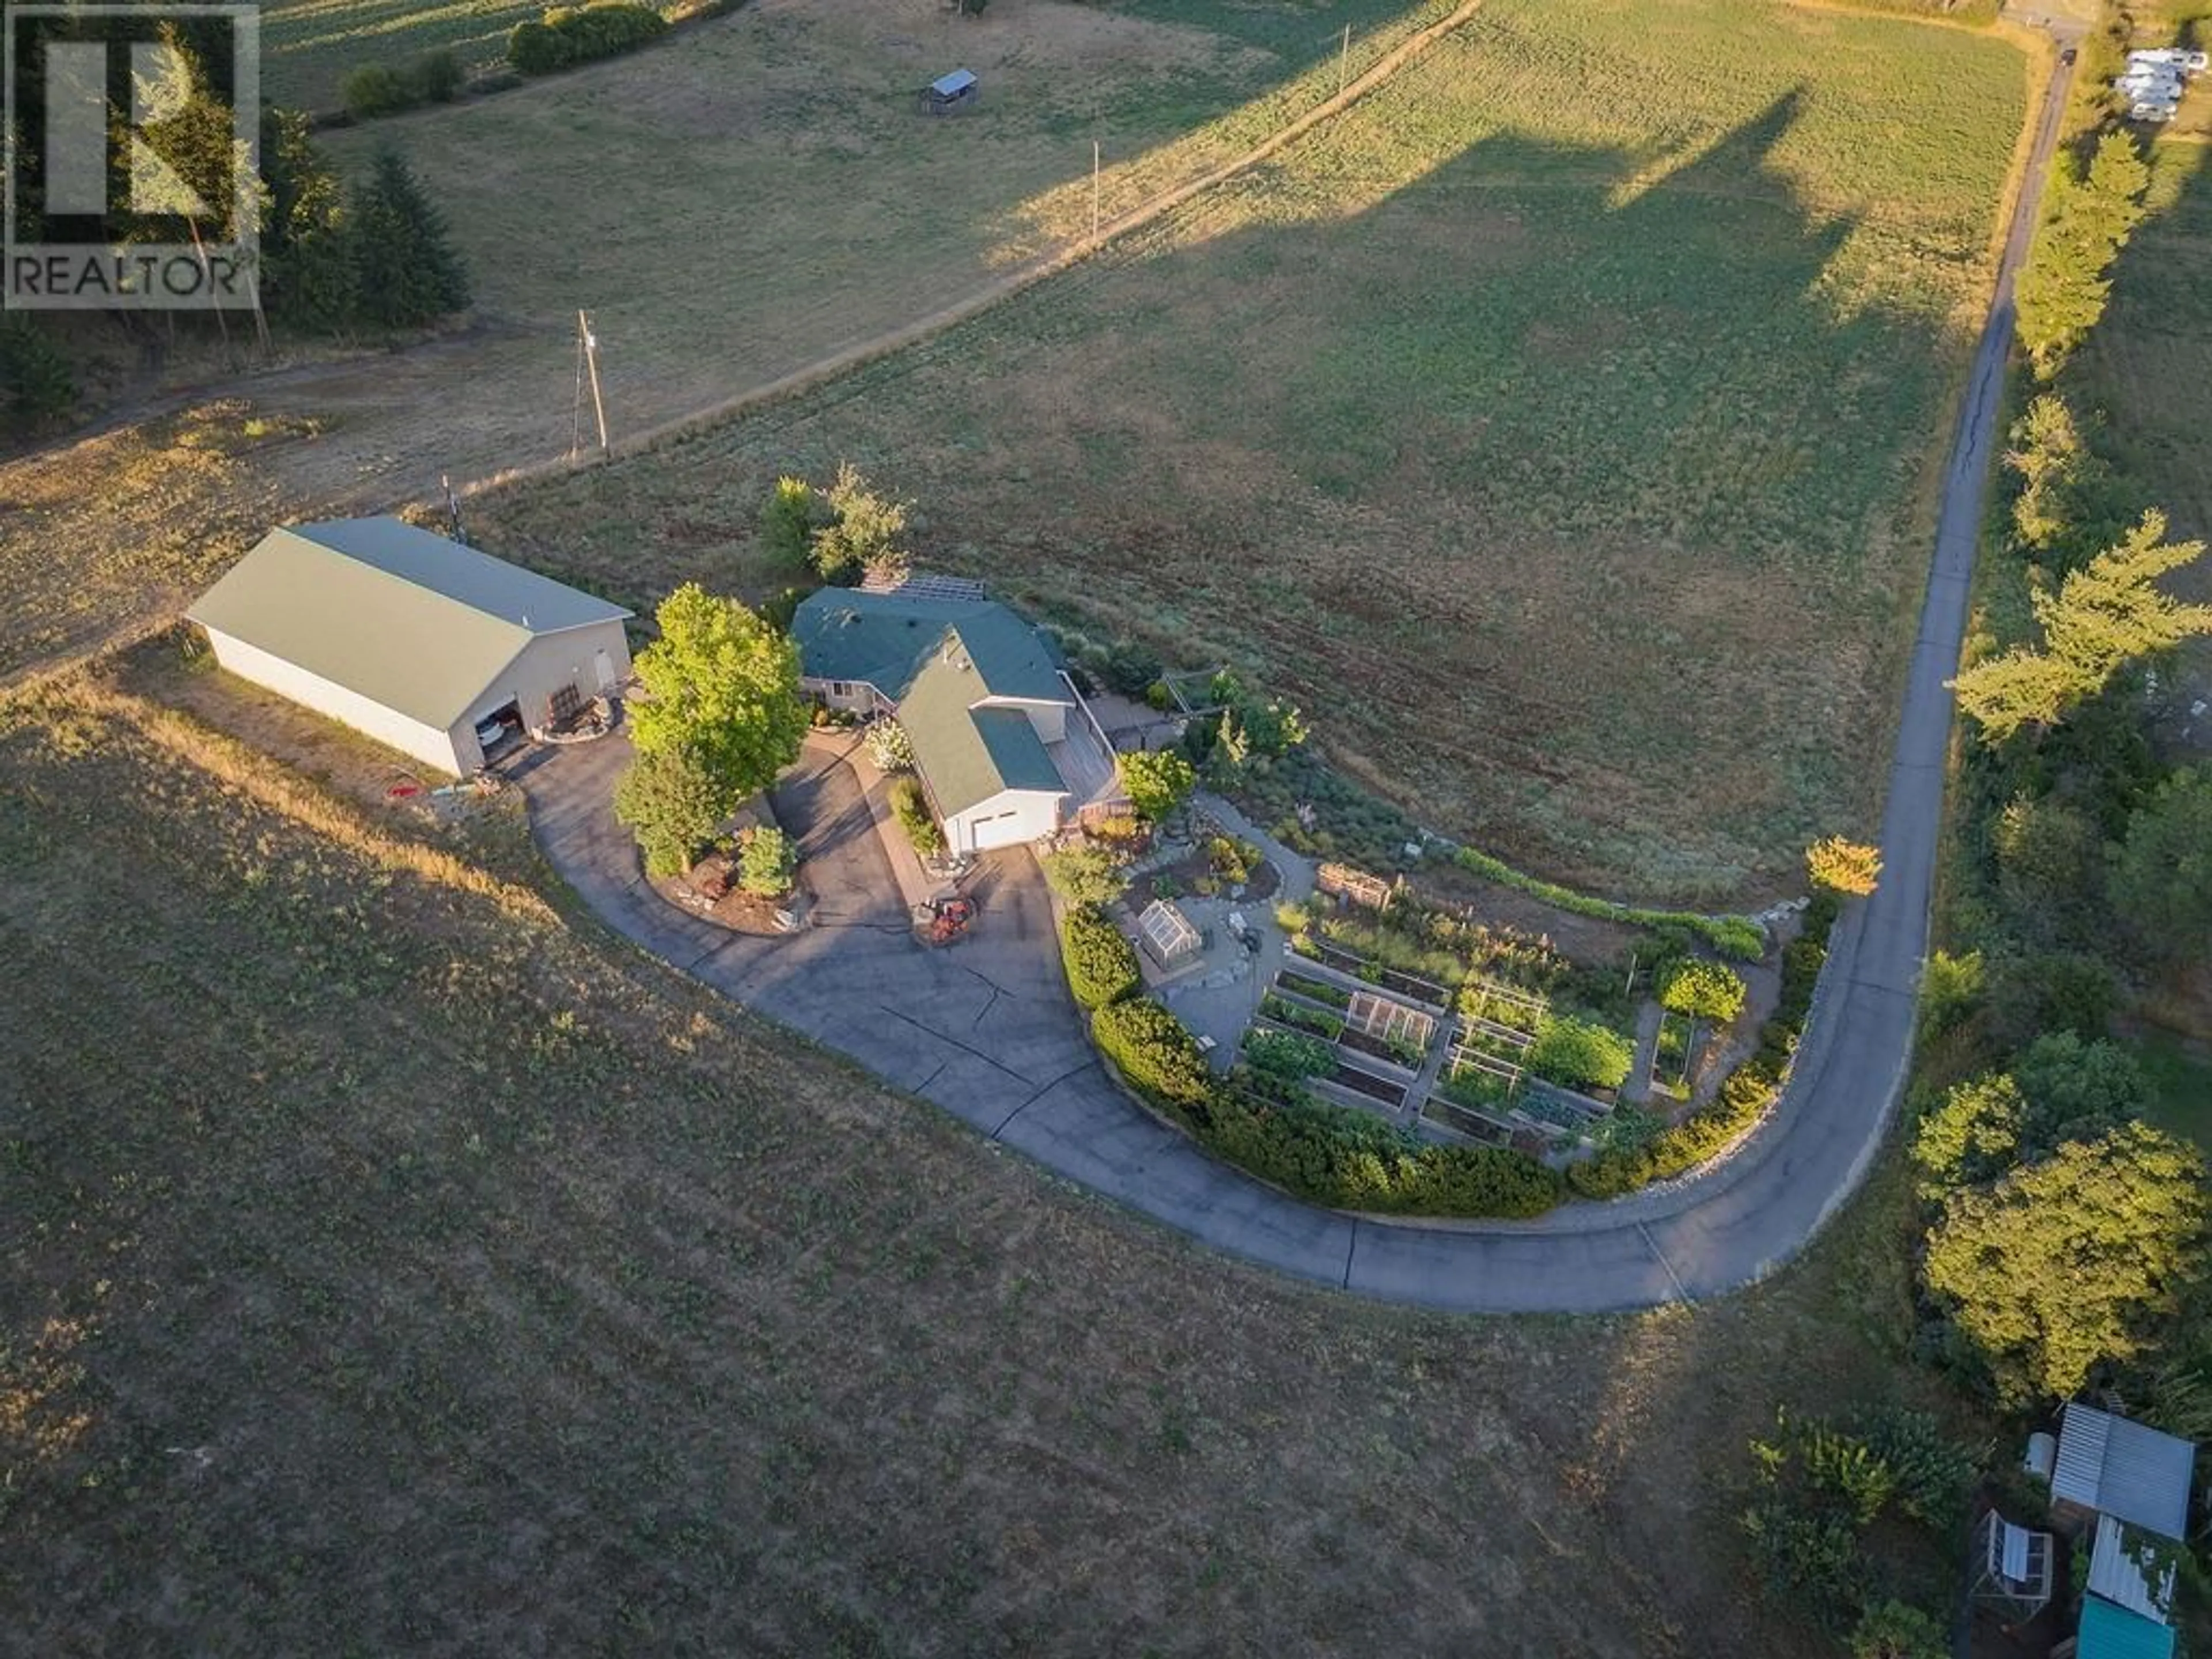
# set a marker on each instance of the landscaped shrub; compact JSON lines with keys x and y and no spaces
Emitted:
{"x":889,"y":748}
{"x":566,"y":35}
{"x":1085,"y":875}
{"x":373,"y":89}
{"x":1704,"y":990}
{"x":1157,"y":782}
{"x":1579,"y":1054}
{"x":766,"y":863}
{"x":911,"y":808}
{"x":438,"y":75}
{"x":1102,"y":965}
{"x":1150,"y":1048}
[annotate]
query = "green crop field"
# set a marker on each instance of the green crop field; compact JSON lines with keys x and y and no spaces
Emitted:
{"x":395,"y":1264}
{"x":1558,"y":425}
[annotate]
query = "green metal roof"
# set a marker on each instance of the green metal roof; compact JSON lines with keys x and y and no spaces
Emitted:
{"x":410,"y":620}
{"x":885,"y":640}
{"x":969,"y":754}
{"x":2111,"y":1632}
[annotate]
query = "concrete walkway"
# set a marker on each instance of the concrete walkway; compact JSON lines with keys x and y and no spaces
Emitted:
{"x":985,"y":1030}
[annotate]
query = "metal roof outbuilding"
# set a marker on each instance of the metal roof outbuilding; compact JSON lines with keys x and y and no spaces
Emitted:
{"x":2124,"y":1469}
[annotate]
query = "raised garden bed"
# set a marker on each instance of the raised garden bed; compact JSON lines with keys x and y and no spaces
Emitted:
{"x":1366,"y":1083}
{"x":1397,"y":1055}
{"x":1392,"y":1023}
{"x":1314,"y":990}
{"x":1288,"y":1010}
{"x":1461,"y":1120}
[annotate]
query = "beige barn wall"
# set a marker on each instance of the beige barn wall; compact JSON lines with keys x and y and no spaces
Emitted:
{"x":425,"y":743}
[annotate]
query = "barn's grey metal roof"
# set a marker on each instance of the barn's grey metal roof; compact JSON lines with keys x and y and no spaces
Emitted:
{"x":410,"y":620}
{"x":2132,"y":1569}
{"x":2125,"y":1469}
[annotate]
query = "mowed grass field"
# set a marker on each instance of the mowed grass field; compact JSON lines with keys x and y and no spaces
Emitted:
{"x":394,"y":1264}
{"x":1559,"y":426}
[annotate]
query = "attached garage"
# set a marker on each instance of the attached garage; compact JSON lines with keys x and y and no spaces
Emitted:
{"x":414,"y":640}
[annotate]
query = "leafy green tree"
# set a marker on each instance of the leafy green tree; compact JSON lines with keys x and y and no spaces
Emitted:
{"x":2101,"y":618}
{"x":2068,"y":1264}
{"x":1950,"y":989}
{"x":1157,"y":782}
{"x":767,"y":862}
{"x":862,"y":535}
{"x":790,"y":518}
{"x":1972,"y":1134}
{"x":2038,"y":991}
{"x":2076,"y":1088}
{"x":1704,"y":990}
{"x":722,"y":686}
{"x":2161,"y":874}
{"x":1895,"y":1630}
{"x":406,"y":272}
{"x":672,"y":803}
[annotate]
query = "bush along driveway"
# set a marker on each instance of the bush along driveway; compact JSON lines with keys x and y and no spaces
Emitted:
{"x":987,"y":1028}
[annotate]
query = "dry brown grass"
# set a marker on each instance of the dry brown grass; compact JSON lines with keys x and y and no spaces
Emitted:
{"x":395,"y":1267}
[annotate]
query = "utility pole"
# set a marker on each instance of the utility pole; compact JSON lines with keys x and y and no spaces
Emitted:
{"x":1344,"y":61}
{"x":589,"y":344}
{"x":1094,"y":190}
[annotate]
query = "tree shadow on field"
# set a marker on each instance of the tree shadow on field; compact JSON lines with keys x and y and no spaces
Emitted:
{"x":1613,"y":474}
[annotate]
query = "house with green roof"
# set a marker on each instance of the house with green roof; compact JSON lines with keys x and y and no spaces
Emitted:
{"x":427,"y":645}
{"x":1002,"y":743}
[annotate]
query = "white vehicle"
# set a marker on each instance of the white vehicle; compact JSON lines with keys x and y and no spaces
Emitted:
{"x":2197,"y":61}
{"x":2151,"y":112}
{"x":2166,"y":56}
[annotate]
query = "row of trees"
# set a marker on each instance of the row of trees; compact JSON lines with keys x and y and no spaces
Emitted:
{"x":2066,"y":1240}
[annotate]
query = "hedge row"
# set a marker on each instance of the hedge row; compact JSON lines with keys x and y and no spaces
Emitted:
{"x":568,"y":35}
{"x":1327,"y":1154}
{"x":1102,"y":965}
{"x":1747,"y":1095}
{"x":372,"y":89}
{"x":1737,"y":937}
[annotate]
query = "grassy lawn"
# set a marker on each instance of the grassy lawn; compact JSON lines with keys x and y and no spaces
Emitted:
{"x":393,"y":1263}
{"x":1559,"y":426}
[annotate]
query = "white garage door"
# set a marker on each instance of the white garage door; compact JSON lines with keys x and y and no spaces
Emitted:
{"x":1007,"y":829}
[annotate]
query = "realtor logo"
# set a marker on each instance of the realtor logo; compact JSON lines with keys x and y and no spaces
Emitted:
{"x":133,"y":156}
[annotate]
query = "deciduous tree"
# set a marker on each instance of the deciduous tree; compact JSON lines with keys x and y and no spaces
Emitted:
{"x":1844,"y":867}
{"x":1157,"y":782}
{"x":721,"y":686}
{"x":862,"y":531}
{"x":2068,"y":1265}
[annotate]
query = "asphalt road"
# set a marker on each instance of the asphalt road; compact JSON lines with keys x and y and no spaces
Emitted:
{"x":984,"y":1030}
